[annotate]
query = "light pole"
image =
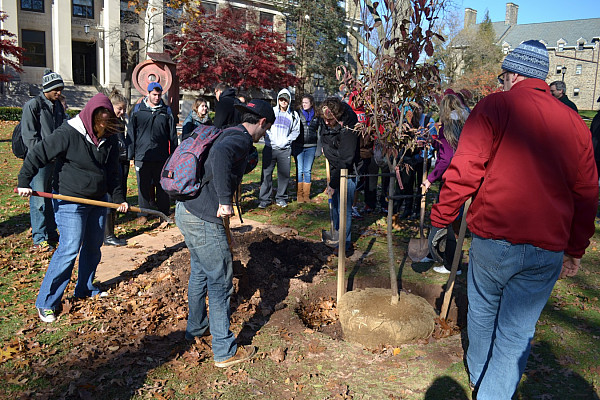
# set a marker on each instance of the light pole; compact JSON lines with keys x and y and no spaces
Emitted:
{"x":564,"y":71}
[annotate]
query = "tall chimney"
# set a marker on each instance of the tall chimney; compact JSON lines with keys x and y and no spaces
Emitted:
{"x":470,"y":17}
{"x":512,"y":10}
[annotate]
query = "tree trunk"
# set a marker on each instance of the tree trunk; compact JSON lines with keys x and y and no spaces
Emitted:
{"x":390,"y":240}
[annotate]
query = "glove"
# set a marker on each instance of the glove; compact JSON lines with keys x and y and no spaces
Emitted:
{"x":437,"y":243}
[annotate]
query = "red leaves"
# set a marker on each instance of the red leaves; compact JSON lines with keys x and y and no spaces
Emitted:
{"x":219,"y":49}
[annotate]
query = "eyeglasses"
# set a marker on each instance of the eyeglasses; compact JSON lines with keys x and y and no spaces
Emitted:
{"x":501,"y":78}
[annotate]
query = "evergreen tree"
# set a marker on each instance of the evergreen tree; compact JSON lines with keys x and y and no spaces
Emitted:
{"x":315,"y":29}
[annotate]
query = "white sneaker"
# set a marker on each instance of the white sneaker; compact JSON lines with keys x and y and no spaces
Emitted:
{"x":443,"y":270}
{"x":46,"y":314}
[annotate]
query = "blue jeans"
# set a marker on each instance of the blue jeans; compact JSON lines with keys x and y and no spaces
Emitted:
{"x":304,"y":162}
{"x":508,"y":286}
{"x":81,"y":229}
{"x":211,"y":273}
{"x":43,"y":225}
{"x":336,"y":210}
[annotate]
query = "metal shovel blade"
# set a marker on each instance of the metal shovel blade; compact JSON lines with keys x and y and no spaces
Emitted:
{"x":418,"y":249}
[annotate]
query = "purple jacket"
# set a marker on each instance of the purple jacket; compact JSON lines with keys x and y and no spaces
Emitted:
{"x":445,"y":153}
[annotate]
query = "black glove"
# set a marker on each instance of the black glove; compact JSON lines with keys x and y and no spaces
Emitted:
{"x":437,"y":243}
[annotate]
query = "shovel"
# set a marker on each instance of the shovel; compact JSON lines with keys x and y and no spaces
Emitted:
{"x":329,"y":237}
{"x":99,"y":204}
{"x":457,"y":253}
{"x":419,"y":248}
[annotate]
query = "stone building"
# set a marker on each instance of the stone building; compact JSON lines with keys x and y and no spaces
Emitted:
{"x":82,"y":40}
{"x":573,"y":47}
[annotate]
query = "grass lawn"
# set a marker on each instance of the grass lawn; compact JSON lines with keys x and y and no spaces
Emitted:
{"x":565,"y":348}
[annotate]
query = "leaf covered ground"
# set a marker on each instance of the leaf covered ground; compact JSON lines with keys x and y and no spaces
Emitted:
{"x":130,"y":345}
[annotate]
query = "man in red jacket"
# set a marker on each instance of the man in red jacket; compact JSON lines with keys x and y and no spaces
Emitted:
{"x":527,"y":162}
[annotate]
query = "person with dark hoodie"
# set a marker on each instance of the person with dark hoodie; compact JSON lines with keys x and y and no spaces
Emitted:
{"x":340,"y":147}
{"x":152,"y":133}
{"x":225,"y":112}
{"x":87,"y":166}
{"x":203,"y":220}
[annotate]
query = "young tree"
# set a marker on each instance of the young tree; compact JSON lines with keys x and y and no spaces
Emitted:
{"x":219,"y":48}
{"x":317,"y":31}
{"x":393,"y":76}
{"x":11,"y":55}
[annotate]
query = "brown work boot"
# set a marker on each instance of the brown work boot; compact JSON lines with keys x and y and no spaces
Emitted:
{"x":242,"y":354}
{"x":300,"y":193}
{"x":307,"y":192}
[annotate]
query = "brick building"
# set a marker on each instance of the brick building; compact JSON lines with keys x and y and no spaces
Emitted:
{"x":573,"y":47}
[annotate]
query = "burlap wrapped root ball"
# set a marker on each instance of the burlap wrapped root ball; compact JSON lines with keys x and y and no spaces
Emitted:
{"x":368,"y":318}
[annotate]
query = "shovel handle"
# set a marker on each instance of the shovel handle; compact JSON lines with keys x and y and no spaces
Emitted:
{"x":98,"y":203}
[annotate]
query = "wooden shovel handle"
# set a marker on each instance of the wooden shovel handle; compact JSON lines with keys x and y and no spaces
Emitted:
{"x":455,"y":260}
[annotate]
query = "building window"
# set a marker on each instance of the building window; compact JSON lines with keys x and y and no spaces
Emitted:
{"x":128,"y":14}
{"x":34,"y":43}
{"x":83,"y":8}
{"x":32,"y":5}
{"x":266,"y":21}
{"x":580,"y":45}
{"x":209,"y":8}
{"x":505,"y":49}
{"x":576,"y":92}
{"x":290,"y":32}
{"x":578,"y":69}
{"x":558,"y":69}
{"x":561,"y":47}
{"x":135,"y":46}
{"x":171,"y":19}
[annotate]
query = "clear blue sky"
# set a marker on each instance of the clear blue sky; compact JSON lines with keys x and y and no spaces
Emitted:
{"x":534,"y":11}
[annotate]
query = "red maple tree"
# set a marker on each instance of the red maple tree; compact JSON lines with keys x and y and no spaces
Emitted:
{"x":11,"y":55}
{"x":213,"y":48}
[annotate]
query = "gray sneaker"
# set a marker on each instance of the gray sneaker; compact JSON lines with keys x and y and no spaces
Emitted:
{"x":281,"y":203}
{"x":242,"y":354}
{"x":46,"y":314}
{"x":263,"y":204}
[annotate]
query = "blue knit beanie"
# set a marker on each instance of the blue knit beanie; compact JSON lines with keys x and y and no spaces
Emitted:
{"x":529,"y":59}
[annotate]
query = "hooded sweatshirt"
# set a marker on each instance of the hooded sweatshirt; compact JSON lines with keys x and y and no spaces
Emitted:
{"x":286,"y":127}
{"x":86,"y":166}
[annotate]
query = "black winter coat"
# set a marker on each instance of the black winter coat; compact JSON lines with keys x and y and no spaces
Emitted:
{"x":152,"y":136}
{"x":340,"y":146}
{"x":81,"y":169}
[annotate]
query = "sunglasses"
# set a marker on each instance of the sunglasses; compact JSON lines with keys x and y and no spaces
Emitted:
{"x":501,"y":77}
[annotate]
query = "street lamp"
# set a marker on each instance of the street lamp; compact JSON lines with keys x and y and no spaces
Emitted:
{"x":564,"y":71}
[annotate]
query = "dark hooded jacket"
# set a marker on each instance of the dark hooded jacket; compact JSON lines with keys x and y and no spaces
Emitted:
{"x":225,"y":113}
{"x":86,"y":166}
{"x":340,"y":146}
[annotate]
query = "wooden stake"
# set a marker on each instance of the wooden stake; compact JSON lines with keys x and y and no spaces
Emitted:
{"x":341,"y":283}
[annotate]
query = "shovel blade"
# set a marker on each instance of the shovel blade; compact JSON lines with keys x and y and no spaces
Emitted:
{"x":418,"y":249}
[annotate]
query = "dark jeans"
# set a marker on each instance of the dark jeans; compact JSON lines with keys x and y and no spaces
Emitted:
{"x":270,"y":158}
{"x":148,"y":176}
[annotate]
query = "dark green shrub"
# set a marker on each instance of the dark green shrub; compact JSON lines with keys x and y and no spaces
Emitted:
{"x":10,"y":113}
